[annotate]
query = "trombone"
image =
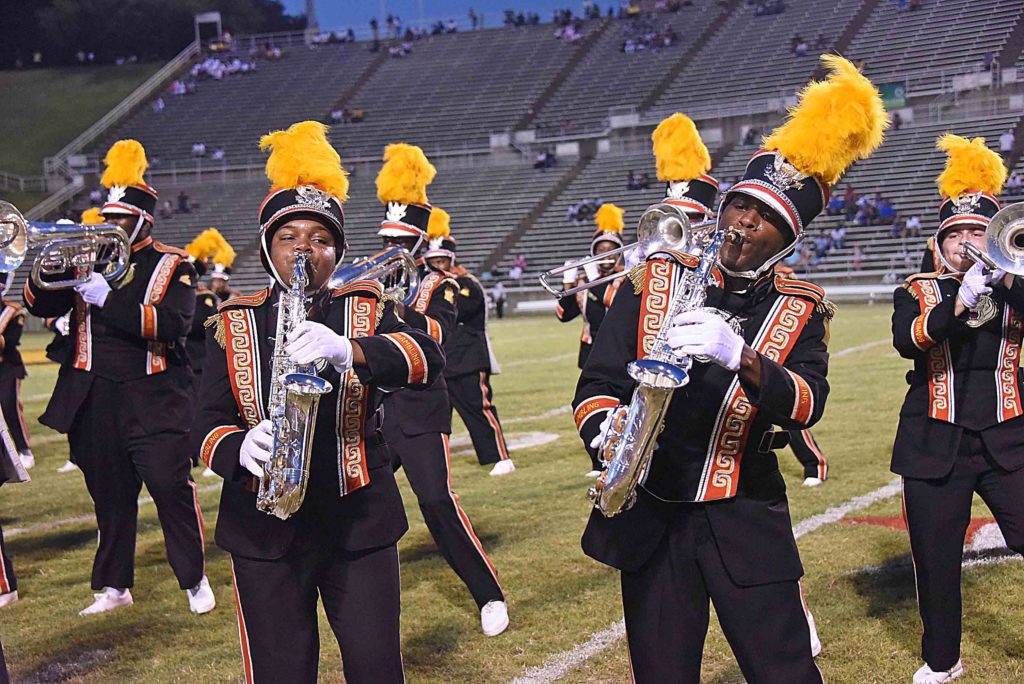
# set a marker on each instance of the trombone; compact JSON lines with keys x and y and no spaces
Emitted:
{"x":662,"y":227}
{"x":77,"y":247}
{"x":1004,"y":242}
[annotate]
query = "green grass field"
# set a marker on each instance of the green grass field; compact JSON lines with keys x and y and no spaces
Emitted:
{"x":530,"y":522}
{"x":44,"y":109}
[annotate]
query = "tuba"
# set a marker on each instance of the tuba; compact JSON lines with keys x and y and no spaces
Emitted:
{"x":295,"y":392}
{"x":74,"y":247}
{"x":395,"y":268}
{"x":631,"y":439}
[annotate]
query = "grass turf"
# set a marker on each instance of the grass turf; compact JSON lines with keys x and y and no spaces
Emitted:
{"x":530,"y":523}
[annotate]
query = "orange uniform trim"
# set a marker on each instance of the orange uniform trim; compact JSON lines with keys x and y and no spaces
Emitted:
{"x":212,"y":440}
{"x":415,"y":359}
{"x":592,"y":406}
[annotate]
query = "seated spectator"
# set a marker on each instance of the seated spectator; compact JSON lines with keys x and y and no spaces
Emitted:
{"x":336,"y":116}
{"x":834,"y":206}
{"x":886,"y":212}
{"x":358,"y":115}
{"x":218,"y":153}
{"x":632,"y":182}
{"x":183,"y":207}
{"x":158,"y":105}
{"x":838,"y":237}
{"x":858,"y":257}
{"x":801,"y":49}
{"x":645,"y":182}
{"x":541,"y":160}
{"x":899,"y":226}
{"x":198,"y":150}
{"x":95,"y":196}
{"x":1015,"y":185}
{"x":914,"y":226}
{"x":751,"y":136}
{"x":166,"y":209}
{"x":819,"y":42}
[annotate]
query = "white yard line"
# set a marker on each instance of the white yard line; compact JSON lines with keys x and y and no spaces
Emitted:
{"x":859,"y":348}
{"x":544,"y":359}
{"x":57,"y":524}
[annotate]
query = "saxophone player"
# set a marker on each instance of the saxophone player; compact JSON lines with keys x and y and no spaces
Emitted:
{"x":960,"y":428}
{"x":341,"y":545}
{"x":711,"y":520}
{"x":122,"y":393}
{"x":417,"y":424}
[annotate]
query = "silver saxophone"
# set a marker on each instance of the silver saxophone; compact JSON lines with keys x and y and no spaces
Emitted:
{"x":630,"y":441}
{"x":295,"y":392}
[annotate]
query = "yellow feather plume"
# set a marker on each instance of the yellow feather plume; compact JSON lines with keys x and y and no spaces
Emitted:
{"x":92,"y":217}
{"x":678,"y":150}
{"x":302,"y":155}
{"x":405,"y":175}
{"x":836,"y":122}
{"x":439,"y":225}
{"x":609,"y":218}
{"x":970,"y":167}
{"x":210,"y":244}
{"x":126,"y":162}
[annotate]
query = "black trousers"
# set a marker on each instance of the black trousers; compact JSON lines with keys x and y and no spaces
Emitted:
{"x":427,"y":464}
{"x":117,"y":456}
{"x":807,"y":452}
{"x":666,"y":605}
{"x":938,"y":513}
{"x":4,"y":677}
{"x":8,"y":582}
{"x":277,"y":613}
{"x":471,"y":396}
{"x":14,"y":415}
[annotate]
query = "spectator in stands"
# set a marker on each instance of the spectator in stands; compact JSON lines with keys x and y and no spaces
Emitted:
{"x":166,"y":209}
{"x":336,"y":116}
{"x":858,"y":257}
{"x":751,"y":136}
{"x":897,"y":121}
{"x":645,"y":182}
{"x":915,"y":4}
{"x":834,"y":206}
{"x":1015,"y":185}
{"x":198,"y":150}
{"x":820,"y":43}
{"x":632,"y":182}
{"x":498,"y":297}
{"x":158,"y":105}
{"x":541,"y":160}
{"x":986,"y":61}
{"x":218,"y":153}
{"x":95,"y":197}
{"x":357,"y":115}
{"x":914,"y":226}
{"x":899,"y":227}
{"x":1006,"y":143}
{"x":838,"y":237}
{"x":886,"y":212}
{"x":183,"y":207}
{"x":901,"y":5}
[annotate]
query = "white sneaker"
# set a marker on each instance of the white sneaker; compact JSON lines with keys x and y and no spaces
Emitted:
{"x":27,"y":459}
{"x":812,"y":482}
{"x":8,"y":598}
{"x":927,"y":675}
{"x":494,"y":618}
{"x":815,"y":641}
{"x":200,"y":598}
{"x":108,"y":599}
{"x":209,"y":473}
{"x":593,"y":474}
{"x":503,"y":467}
{"x":67,"y":467}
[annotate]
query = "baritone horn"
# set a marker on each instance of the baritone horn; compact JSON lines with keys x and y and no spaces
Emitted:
{"x":395,"y":268}
{"x":1004,"y":241}
{"x":662,"y":227}
{"x":74,"y":247}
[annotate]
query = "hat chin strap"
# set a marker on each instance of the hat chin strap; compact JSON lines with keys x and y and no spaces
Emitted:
{"x":764,"y":268}
{"x":138,"y":226}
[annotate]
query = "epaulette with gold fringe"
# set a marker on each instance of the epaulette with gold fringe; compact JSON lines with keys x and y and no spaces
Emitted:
{"x":254,"y":299}
{"x":802,"y":288}
{"x":216,"y":321}
{"x":637,"y":275}
{"x":168,"y":249}
{"x":370,"y":286}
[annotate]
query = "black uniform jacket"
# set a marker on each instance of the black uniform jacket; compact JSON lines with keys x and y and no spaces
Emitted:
{"x":352,"y":499}
{"x":715,"y":450}
{"x":434,"y":312}
{"x":12,"y":323}
{"x":466,"y":348}
{"x":963,"y":377}
{"x":593,"y":304}
{"x":137,"y":339}
{"x":206,"y":306}
{"x":60,"y":346}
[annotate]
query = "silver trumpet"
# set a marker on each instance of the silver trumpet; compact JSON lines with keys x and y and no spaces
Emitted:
{"x":74,"y":247}
{"x":1004,"y":242}
{"x":662,"y":227}
{"x":631,"y":440}
{"x":395,"y":268}
{"x":295,"y":392}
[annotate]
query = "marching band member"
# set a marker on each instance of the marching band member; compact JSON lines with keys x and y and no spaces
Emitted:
{"x":13,"y":470}
{"x":220,"y":279}
{"x":593,"y":303}
{"x":711,"y":521}
{"x":341,"y":545}
{"x":12,"y":372}
{"x":122,"y":394}
{"x":417,"y":424}
{"x":960,"y":428}
{"x":470,"y":361}
{"x":208,"y":247}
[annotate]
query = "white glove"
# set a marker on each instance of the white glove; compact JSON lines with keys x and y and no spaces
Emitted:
{"x":590,"y":269}
{"x":570,"y":276}
{"x":602,"y":431}
{"x":63,"y":324}
{"x":633,"y":257}
{"x":995,"y":278}
{"x":95,"y":290}
{"x":973,"y":286}
{"x":310,"y":341}
{"x":701,"y":333}
{"x":256,"y":448}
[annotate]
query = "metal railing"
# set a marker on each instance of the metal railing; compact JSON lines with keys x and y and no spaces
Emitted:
{"x":11,"y":181}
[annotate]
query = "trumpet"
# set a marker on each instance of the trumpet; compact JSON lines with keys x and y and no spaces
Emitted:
{"x":77,"y":247}
{"x":663,"y":227}
{"x":1004,"y":242}
{"x":394,"y":268}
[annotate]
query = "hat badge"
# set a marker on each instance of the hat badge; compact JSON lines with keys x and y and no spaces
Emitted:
{"x":396,"y":211}
{"x":784,"y":175}
{"x":116,"y":193}
{"x":677,"y":189}
{"x":436,"y":243}
{"x":967,"y":203}
{"x":313,"y":197}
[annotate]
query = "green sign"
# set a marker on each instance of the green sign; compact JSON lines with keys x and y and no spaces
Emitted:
{"x":894,"y":95}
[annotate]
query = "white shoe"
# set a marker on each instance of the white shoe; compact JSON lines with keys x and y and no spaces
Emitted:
{"x":27,"y":459}
{"x":593,"y":474}
{"x":8,"y":598}
{"x":209,"y":473}
{"x":503,"y":467}
{"x":813,"y":482}
{"x":494,"y":618}
{"x":927,"y":675}
{"x":67,"y":467}
{"x":108,"y":599}
{"x":815,"y":641}
{"x":200,"y":598}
